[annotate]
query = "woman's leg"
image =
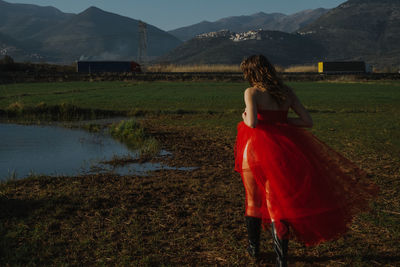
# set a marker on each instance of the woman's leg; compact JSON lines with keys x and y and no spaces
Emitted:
{"x":280,"y":230}
{"x":253,"y":208}
{"x":254,"y":193}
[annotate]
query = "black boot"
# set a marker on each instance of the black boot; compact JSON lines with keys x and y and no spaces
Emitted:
{"x":280,"y":245}
{"x":253,"y":230}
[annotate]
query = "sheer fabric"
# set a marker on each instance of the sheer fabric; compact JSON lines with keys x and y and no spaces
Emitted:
{"x":291,"y":175}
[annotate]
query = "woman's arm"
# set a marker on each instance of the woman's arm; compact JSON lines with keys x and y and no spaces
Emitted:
{"x":304,"y":119}
{"x":250,"y":114}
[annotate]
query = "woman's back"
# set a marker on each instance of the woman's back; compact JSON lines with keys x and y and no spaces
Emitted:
{"x":264,"y":101}
{"x":258,"y":99}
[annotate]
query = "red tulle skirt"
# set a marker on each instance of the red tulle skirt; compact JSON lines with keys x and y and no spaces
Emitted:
{"x":291,"y":175}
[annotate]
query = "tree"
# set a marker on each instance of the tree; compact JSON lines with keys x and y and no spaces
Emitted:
{"x":7,"y":60}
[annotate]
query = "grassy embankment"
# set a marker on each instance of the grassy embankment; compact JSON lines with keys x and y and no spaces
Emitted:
{"x":181,"y":218}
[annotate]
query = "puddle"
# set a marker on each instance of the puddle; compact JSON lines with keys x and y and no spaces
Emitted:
{"x":57,"y":151}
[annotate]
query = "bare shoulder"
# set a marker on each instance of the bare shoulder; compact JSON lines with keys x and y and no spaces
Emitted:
{"x":250,"y":91}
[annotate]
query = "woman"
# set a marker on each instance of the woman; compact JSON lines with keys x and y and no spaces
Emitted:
{"x":293,"y":181}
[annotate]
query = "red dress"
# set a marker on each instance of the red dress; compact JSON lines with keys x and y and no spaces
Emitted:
{"x":297,"y":178}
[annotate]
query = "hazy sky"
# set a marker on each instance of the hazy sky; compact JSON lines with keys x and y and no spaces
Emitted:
{"x":171,"y":14}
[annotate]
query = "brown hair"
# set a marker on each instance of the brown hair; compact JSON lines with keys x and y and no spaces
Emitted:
{"x":261,"y":74}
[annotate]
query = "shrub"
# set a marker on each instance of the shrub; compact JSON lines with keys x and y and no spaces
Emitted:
{"x":132,"y":134}
{"x":15,"y":107}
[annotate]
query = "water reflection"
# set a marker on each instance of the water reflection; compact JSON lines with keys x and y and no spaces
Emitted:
{"x":54,"y":150}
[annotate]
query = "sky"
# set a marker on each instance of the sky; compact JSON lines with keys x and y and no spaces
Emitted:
{"x":172,"y":14}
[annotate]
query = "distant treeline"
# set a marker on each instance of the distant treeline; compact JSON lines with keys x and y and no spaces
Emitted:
{"x":7,"y":64}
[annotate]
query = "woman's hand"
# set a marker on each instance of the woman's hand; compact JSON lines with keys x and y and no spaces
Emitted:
{"x":304,"y":119}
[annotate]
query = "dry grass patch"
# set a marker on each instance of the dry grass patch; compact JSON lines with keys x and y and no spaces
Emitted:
{"x":222,"y":68}
{"x":302,"y":68}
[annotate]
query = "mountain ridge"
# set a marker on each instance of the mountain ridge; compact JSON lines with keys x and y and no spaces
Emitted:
{"x":227,"y":47}
{"x":260,"y":20}
{"x":355,"y":30}
{"x":93,"y":34}
{"x":21,"y":20}
{"x":365,"y":30}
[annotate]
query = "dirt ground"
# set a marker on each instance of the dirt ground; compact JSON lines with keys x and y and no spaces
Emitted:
{"x":167,"y":218}
{"x":214,"y":194}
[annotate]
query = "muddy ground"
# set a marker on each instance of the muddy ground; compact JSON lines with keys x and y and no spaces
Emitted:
{"x":168,"y":218}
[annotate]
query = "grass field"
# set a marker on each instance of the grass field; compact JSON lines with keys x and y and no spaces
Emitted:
{"x":174,"y":218}
{"x":199,"y":96}
{"x":372,"y":107}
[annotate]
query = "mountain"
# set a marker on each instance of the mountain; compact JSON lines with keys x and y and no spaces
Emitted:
{"x":366,"y":30}
{"x":94,"y":34}
{"x":225,"y":47}
{"x":6,"y":40}
{"x":360,"y":29}
{"x":9,"y":46}
{"x":100,"y":35}
{"x":18,"y":50}
{"x":20,"y":21}
{"x":272,"y":21}
{"x":298,"y":20}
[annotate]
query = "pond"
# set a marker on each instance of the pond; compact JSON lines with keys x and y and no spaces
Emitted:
{"x":56,"y":151}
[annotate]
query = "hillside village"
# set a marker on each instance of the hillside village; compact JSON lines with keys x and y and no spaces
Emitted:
{"x":238,"y":37}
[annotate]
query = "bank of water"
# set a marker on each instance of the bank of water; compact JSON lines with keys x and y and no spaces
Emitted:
{"x":58,"y":151}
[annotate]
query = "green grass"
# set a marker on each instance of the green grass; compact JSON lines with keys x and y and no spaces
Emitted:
{"x":363,"y":112}
{"x":181,"y":218}
{"x":155,"y":96}
{"x":134,"y":136}
{"x":358,"y":118}
{"x":362,"y":118}
{"x":197,"y":96}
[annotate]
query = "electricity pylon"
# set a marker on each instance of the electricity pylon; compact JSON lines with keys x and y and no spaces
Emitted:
{"x":142,"y":48}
